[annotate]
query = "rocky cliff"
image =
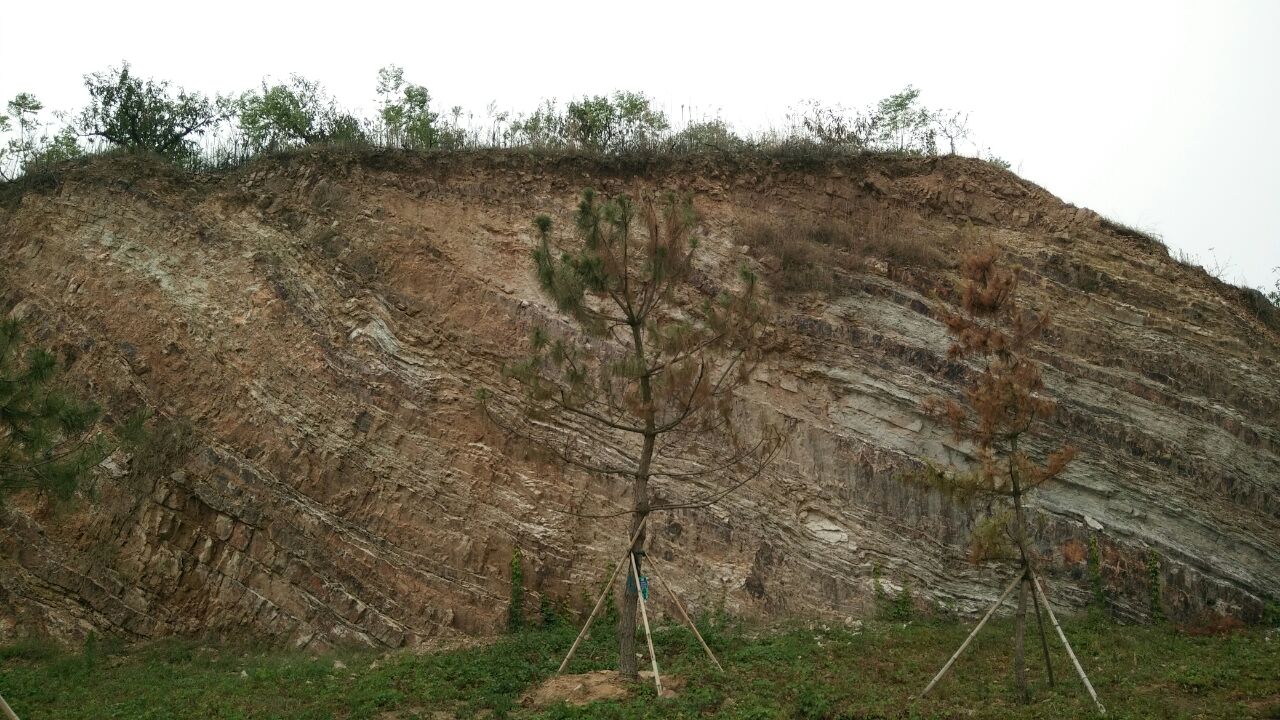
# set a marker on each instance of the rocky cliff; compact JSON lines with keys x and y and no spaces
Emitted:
{"x":311,"y":330}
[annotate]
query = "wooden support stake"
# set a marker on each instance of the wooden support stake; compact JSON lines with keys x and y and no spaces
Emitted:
{"x":685,"y":615}
{"x":8,"y":711}
{"x":973,"y":634}
{"x":644,"y":616}
{"x":600,"y":600}
{"x":1035,"y":583}
{"x":1044,"y":640}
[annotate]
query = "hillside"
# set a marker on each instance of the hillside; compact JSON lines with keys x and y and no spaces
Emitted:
{"x":313,"y":327}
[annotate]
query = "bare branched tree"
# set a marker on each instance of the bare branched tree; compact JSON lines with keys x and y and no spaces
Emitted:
{"x":952,"y":125}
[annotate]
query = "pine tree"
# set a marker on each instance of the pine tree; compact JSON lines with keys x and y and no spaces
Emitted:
{"x":657,"y":375}
{"x":46,"y":443}
{"x":1005,"y":399}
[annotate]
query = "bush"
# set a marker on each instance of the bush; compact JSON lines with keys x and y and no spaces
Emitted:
{"x":707,"y":135}
{"x":156,"y":453}
{"x":997,"y":161}
{"x":833,"y":125}
{"x":1271,"y":613}
{"x":407,"y":119}
{"x":51,"y":151}
{"x":298,"y":112}
{"x":548,"y":613}
{"x":902,"y":607}
{"x":622,"y":122}
{"x":146,"y":115}
{"x":898,"y":123}
{"x":625,"y":122}
{"x":901,"y":124}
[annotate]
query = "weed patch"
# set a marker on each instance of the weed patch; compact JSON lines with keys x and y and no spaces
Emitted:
{"x":807,"y":255}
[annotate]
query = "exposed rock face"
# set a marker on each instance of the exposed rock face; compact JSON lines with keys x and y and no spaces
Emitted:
{"x":324,"y":324}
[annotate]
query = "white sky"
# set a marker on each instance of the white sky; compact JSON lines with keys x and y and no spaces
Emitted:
{"x":1159,"y":114}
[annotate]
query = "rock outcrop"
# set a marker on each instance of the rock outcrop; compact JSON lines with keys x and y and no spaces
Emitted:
{"x":320,"y":325}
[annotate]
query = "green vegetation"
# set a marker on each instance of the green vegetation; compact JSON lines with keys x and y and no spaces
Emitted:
{"x":515,"y":607}
{"x":1144,"y":671}
{"x":291,"y":114}
{"x":46,"y":438}
{"x":32,"y":149}
{"x":900,"y":607}
{"x":146,"y":115}
{"x":406,"y":115}
{"x":619,"y":123}
{"x":127,"y":112}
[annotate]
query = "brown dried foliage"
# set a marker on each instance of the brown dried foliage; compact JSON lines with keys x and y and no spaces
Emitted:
{"x":1006,"y":396}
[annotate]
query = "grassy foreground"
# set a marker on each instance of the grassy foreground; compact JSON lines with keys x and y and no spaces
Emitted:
{"x":799,"y":672}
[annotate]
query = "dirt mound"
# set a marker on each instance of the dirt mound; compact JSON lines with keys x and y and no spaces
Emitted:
{"x":586,"y":688}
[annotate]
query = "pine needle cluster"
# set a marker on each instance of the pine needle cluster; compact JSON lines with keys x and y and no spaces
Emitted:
{"x":46,"y":439}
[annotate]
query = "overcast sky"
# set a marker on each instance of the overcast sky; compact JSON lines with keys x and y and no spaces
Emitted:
{"x":1161,"y":115}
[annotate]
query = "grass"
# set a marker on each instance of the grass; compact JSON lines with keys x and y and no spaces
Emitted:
{"x":796,"y":672}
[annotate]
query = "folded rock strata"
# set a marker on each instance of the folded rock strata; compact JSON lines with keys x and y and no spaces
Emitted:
{"x":323,"y":322}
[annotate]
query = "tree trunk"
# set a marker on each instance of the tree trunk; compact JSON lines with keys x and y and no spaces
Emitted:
{"x":630,"y":593}
{"x":640,"y":508}
{"x":1020,"y":535}
{"x":1028,"y":572}
{"x":1019,"y":635}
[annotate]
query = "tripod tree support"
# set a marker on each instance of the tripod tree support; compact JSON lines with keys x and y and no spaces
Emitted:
{"x":600,"y":600}
{"x":1035,"y":583}
{"x":644,"y":617}
{"x":685,"y":615}
{"x":974,"y":634}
